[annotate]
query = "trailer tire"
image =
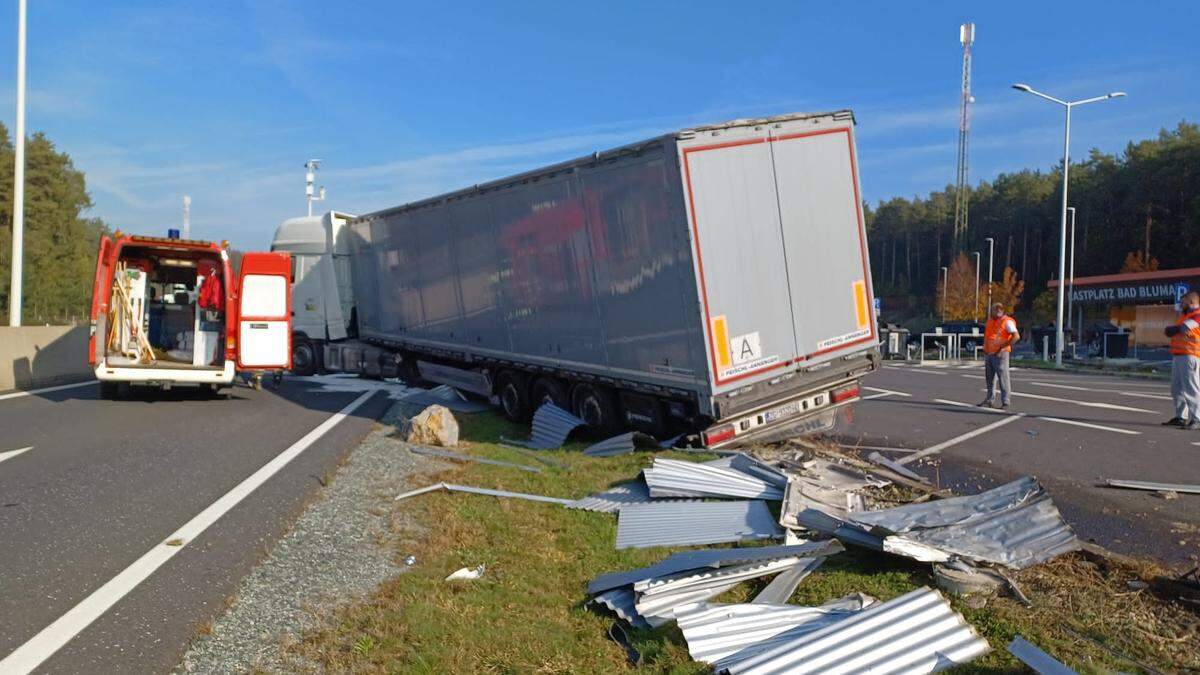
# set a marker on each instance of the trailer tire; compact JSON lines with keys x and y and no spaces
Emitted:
{"x":595,"y":406}
{"x":304,"y":356}
{"x":546,"y":389}
{"x":513,"y":392}
{"x":108,"y":391}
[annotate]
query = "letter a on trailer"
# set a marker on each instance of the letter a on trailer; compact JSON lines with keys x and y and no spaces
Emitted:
{"x":264,"y":311}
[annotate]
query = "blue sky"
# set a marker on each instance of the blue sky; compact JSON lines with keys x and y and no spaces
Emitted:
{"x":225,"y":100}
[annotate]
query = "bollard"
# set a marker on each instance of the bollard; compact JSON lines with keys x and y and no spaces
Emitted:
{"x":1045,"y":347}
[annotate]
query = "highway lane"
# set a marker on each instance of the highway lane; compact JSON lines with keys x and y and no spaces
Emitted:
{"x":107,"y":481}
{"x":1072,"y":431}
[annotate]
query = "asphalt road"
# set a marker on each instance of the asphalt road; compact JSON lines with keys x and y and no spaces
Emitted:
{"x":106,"y":482}
{"x":1072,"y":431}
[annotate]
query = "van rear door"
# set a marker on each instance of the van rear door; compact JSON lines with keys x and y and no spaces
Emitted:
{"x":100,"y":293}
{"x":264,"y":340}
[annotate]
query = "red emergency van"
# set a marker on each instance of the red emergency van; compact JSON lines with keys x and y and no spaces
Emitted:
{"x":169,"y":311}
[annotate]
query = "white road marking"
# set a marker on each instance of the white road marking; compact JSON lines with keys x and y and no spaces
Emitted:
{"x":1158,"y":397}
{"x":1086,"y":404}
{"x":52,"y":638}
{"x":1196,"y":443}
{"x":1110,"y":391}
{"x":872,"y":397}
{"x":9,"y":454}
{"x":974,"y":377}
{"x":924,"y":370}
{"x":956,"y":440}
{"x":888,"y":391}
{"x":980,"y":408}
{"x":1091,"y":426}
{"x":43,"y":390}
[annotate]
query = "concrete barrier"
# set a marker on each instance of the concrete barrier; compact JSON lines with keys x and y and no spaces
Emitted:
{"x":39,"y":356}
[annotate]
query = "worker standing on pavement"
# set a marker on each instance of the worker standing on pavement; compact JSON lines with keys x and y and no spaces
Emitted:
{"x":1185,"y":363}
{"x":999,"y":336}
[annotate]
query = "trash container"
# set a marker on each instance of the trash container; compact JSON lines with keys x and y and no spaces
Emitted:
{"x":1116,"y":345}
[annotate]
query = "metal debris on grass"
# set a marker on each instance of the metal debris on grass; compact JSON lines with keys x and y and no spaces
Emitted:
{"x":620,"y":445}
{"x":677,"y":478}
{"x":687,"y":524}
{"x":466,"y":574}
{"x":1038,"y":661}
{"x":551,"y":427}
{"x":482,"y":491}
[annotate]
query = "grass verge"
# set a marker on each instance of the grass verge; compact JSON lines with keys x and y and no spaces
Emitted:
{"x":526,"y":614}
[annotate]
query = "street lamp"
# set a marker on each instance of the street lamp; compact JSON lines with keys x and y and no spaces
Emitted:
{"x":1071,"y":274}
{"x":18,"y":231}
{"x":945,"y":291}
{"x":991,"y":249}
{"x":975,"y":312}
{"x":1062,"y":238}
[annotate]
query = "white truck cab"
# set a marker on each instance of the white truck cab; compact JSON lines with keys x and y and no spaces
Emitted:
{"x":322,"y":291}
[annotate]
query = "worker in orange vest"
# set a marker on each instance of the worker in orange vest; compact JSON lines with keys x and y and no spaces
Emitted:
{"x":999,"y":336}
{"x":1185,"y":363}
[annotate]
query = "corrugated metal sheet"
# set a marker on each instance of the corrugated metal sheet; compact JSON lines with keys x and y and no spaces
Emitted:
{"x":897,"y":467}
{"x":620,"y":445}
{"x":444,"y":395}
{"x":551,"y":426}
{"x":714,"y":631}
{"x":1161,"y":487}
{"x":659,"y":610}
{"x":675,"y":478}
{"x":483,"y":491}
{"x":712,"y":557}
{"x":658,"y":598}
{"x":684,"y":524}
{"x":917,"y":632}
{"x":781,"y":587}
{"x":622,"y":601}
{"x":617,"y":498}
{"x":471,"y":458}
{"x":1037,"y":660}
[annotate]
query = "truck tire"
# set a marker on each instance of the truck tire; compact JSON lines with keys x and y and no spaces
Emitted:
{"x":513,"y":392}
{"x":304,"y":356}
{"x":595,"y":406}
{"x":548,"y":389}
{"x":108,"y":391}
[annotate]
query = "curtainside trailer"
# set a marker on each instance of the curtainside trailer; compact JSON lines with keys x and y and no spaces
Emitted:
{"x":712,"y":281}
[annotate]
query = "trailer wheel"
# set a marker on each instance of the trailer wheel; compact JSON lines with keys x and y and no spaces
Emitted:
{"x":595,"y":407}
{"x":108,"y":391}
{"x":514,"y":396}
{"x":549,"y":390}
{"x":304,"y":357}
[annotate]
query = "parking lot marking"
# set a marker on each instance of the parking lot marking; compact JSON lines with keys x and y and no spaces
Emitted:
{"x":888,"y":391}
{"x":1110,"y":391}
{"x":958,"y":439}
{"x":980,"y":408}
{"x":1091,"y":426}
{"x":9,"y":454}
{"x":43,"y":390}
{"x":1086,"y":404}
{"x":52,"y":638}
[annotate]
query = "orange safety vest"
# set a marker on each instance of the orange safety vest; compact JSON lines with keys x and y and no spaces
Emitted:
{"x":994,"y":335}
{"x":1187,"y":341}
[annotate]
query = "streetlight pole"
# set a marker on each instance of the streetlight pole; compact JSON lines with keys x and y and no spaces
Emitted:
{"x":945,"y":291}
{"x":975,"y":311}
{"x":1071,"y":273}
{"x":991,"y":249}
{"x":18,"y":242}
{"x":1062,"y":237}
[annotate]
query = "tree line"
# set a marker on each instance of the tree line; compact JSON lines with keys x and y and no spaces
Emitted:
{"x":60,"y":241}
{"x":1137,"y":210}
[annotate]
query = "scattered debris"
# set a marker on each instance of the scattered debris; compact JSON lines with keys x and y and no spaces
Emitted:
{"x":1168,"y":494}
{"x":958,"y":578}
{"x":677,"y":478}
{"x":410,"y":560}
{"x":466,"y":574}
{"x":551,"y":427}
{"x":782,"y":586}
{"x":1137,"y":585}
{"x":1154,"y":487}
{"x":683,"y":523}
{"x":444,"y":395}
{"x":472,"y":458}
{"x":618,"y":635}
{"x":618,"y":497}
{"x":481,"y":491}
{"x":620,"y":445}
{"x":434,"y":425}
{"x":897,"y":467}
{"x":1037,"y":660}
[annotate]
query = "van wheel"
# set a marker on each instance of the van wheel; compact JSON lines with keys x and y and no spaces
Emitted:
{"x":514,"y":396}
{"x":594,"y":405}
{"x":304,"y":357}
{"x":215,"y":391}
{"x":549,"y":390}
{"x":108,"y":391}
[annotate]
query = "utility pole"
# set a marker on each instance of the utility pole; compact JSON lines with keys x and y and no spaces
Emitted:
{"x":975,"y":312}
{"x":945,"y":290}
{"x":187,"y":217}
{"x":1071,"y":275}
{"x":18,"y":243}
{"x":966,"y":36}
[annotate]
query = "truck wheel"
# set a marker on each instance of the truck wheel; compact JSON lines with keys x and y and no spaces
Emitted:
{"x":595,"y":407}
{"x":304,"y":357}
{"x":108,"y":391}
{"x":548,"y":390}
{"x":514,"y":396}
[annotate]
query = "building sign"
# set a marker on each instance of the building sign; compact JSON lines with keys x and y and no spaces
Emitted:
{"x":1163,"y":292}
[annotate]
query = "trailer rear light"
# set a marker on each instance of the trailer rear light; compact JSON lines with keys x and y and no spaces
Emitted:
{"x":719,"y":435}
{"x":845,"y":393}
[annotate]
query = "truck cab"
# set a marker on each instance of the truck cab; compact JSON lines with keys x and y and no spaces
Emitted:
{"x":322,"y":287}
{"x":170,"y":311}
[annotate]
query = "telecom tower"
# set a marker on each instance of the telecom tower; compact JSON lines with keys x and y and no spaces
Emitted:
{"x":309,"y":176}
{"x":187,"y":217}
{"x":966,"y":36}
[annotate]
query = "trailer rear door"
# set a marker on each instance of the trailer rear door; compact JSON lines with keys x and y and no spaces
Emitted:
{"x":779,"y":246}
{"x":100,"y":293}
{"x":265,"y":312}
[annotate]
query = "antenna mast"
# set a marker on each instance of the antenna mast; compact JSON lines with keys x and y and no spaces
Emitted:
{"x":187,"y":217}
{"x":310,"y":174}
{"x":966,"y":36}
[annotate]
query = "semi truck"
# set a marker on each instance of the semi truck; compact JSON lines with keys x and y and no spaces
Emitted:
{"x":168,"y":311}
{"x":712,"y":282}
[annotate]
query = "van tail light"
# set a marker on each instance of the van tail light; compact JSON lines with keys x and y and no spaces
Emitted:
{"x":845,"y":393}
{"x":719,"y":434}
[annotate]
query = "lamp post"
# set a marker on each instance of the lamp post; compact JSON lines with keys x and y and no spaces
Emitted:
{"x":18,"y":231}
{"x":945,"y":291}
{"x":1071,"y":273}
{"x":1062,"y":238}
{"x":991,"y":249}
{"x":975,"y":311}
